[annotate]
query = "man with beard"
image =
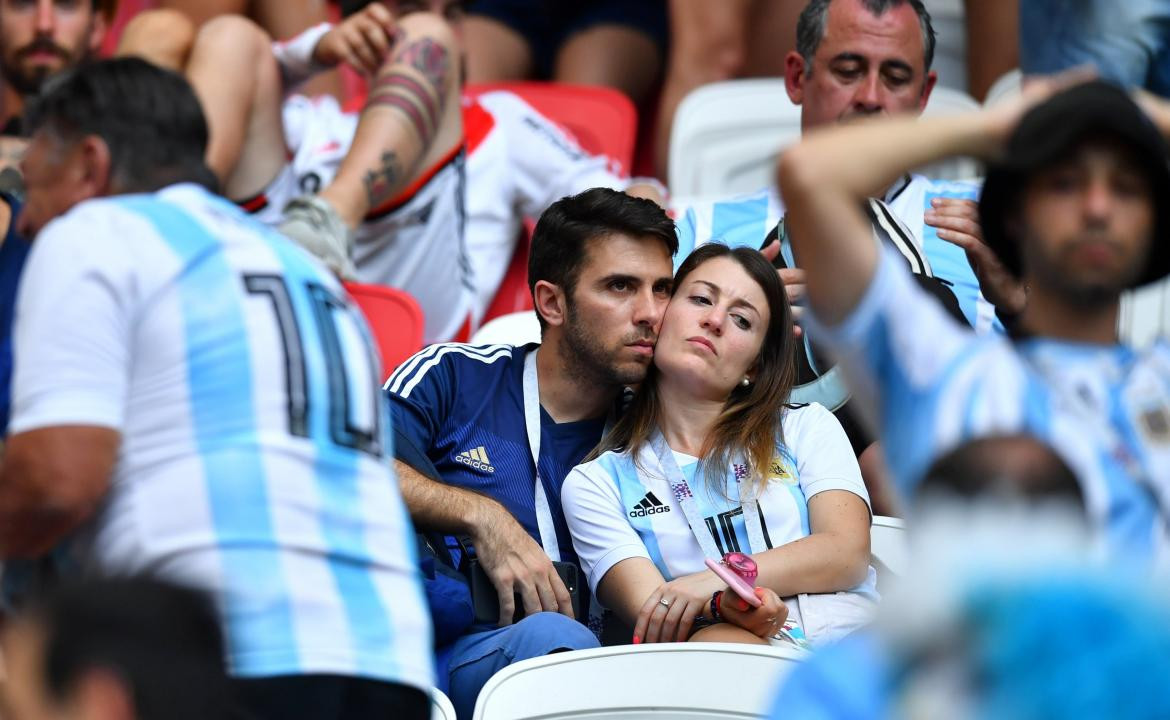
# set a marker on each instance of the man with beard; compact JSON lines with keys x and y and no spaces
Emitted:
{"x":502,"y":425}
{"x":39,"y":38}
{"x":1074,"y":206}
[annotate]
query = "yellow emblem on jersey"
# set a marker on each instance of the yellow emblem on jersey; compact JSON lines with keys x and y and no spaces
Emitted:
{"x":779,"y":472}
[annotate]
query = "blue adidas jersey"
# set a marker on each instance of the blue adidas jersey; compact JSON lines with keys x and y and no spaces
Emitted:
{"x":13,"y":252}
{"x":934,"y":384}
{"x":462,"y":406}
{"x":747,"y":220}
{"x":254,"y":459}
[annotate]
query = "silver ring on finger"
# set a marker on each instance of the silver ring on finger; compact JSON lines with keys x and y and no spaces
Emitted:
{"x":664,"y":602}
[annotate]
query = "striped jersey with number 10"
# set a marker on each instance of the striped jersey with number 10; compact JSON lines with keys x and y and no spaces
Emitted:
{"x":254,"y":458}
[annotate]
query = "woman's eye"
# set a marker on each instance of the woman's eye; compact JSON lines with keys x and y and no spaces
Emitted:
{"x":742,"y":322}
{"x":700,"y":300}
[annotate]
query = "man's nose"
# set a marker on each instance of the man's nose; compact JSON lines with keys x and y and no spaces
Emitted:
{"x":648,"y":308}
{"x":868,"y":98}
{"x":1098,"y":200}
{"x":45,"y":17}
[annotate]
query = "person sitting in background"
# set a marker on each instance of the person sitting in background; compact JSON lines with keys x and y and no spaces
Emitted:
{"x":116,"y":649}
{"x":37,"y":40}
{"x":377,"y":195}
{"x":708,"y":460}
{"x":614,"y":43}
{"x":40,"y":38}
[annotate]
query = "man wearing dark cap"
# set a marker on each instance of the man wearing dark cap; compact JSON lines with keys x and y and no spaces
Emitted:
{"x":1076,"y":206}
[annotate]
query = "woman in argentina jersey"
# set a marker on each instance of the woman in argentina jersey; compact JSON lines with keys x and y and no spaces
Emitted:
{"x":708,"y":460}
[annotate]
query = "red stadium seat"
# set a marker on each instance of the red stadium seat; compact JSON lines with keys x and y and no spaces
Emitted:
{"x":602,"y":120}
{"x":394,"y":317}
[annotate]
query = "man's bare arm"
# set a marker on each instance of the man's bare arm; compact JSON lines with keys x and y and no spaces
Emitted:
{"x":51,"y":481}
{"x":824,"y":178}
{"x":512,"y":559}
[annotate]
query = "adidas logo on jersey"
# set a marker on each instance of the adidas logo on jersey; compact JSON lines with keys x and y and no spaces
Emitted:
{"x":476,"y":458}
{"x":649,"y":505}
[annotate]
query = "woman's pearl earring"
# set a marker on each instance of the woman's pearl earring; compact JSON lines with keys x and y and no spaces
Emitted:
{"x":746,"y":381}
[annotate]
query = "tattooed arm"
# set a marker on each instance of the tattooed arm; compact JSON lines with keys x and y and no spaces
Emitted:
{"x":410,"y":122}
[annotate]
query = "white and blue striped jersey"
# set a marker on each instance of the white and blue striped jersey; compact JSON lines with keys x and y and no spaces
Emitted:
{"x":747,"y":220}
{"x":254,"y":458}
{"x":934,"y":384}
{"x":617,"y":510}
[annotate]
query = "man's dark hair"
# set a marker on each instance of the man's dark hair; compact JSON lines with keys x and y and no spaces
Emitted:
{"x":559,"y":241}
{"x":149,"y":118}
{"x":1003,"y":466}
{"x":163,"y":641}
{"x":810,"y":27}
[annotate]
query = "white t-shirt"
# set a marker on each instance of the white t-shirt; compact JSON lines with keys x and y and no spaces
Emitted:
{"x":255,"y":455}
{"x":615,"y":510}
{"x":519,"y":162}
{"x":413,"y":242}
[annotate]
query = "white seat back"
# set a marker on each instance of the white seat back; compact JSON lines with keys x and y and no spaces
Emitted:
{"x":516,"y":328}
{"x":669,"y":680}
{"x":1145,"y":315}
{"x":726,"y":136}
{"x":887,"y":544}
{"x":441,"y":707}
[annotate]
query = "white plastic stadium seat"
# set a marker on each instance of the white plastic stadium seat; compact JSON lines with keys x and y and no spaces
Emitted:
{"x":1005,"y":87}
{"x":669,"y":680}
{"x":441,"y":707}
{"x":515,"y":328}
{"x":948,"y":101}
{"x":726,"y":136}
{"x":887,"y":543}
{"x":1145,"y":315}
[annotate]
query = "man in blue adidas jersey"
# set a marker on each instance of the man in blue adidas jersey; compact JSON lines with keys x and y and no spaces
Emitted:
{"x":600,"y":275}
{"x":1074,"y":205}
{"x":195,"y":397}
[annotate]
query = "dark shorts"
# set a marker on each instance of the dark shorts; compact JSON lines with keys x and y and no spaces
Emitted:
{"x":547,"y":24}
{"x":326,"y":697}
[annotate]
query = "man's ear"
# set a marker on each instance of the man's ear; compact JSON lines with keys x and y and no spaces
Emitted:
{"x":95,"y":166}
{"x":99,"y":694}
{"x":550,"y":302}
{"x":794,"y":77}
{"x":97,"y":30}
{"x":927,"y":86}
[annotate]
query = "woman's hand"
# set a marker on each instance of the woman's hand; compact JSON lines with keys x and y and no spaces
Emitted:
{"x":763,"y":621}
{"x":669,"y":613}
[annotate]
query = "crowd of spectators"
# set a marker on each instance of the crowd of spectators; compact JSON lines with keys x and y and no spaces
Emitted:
{"x":215,"y":501}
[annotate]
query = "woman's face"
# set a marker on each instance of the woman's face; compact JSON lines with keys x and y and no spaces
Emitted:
{"x":713,"y":329}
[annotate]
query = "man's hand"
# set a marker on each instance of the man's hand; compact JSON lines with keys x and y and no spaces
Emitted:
{"x":957,"y":222}
{"x":363,"y":40}
{"x":794,"y":285}
{"x":763,"y":621}
{"x":685,"y":599}
{"x":515,"y":563}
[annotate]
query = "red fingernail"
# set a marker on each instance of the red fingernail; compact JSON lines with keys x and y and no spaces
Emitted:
{"x":637,"y":640}
{"x":743,"y":606}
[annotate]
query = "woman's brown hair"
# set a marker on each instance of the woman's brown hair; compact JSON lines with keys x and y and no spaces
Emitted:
{"x":749,"y":424}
